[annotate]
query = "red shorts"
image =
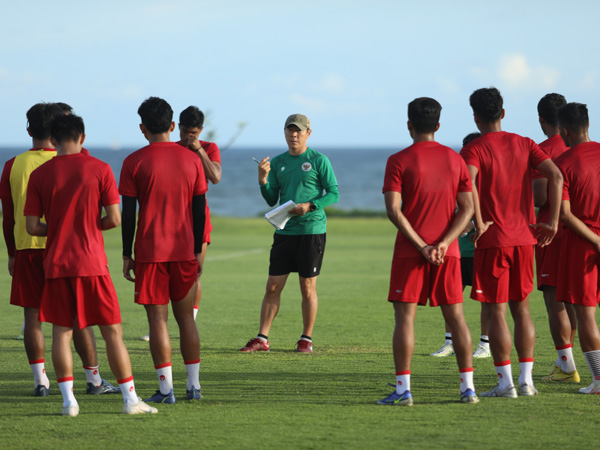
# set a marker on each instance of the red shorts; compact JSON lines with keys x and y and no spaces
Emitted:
{"x":414,"y":280}
{"x":579,"y":278}
{"x":501,"y":274}
{"x":28,"y":279}
{"x":91,"y":300}
{"x":546,"y":263}
{"x":207,"y":227}
{"x":156,"y":283}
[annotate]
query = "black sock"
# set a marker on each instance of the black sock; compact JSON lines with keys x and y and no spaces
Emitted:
{"x":262,"y":336}
{"x":308,"y":338}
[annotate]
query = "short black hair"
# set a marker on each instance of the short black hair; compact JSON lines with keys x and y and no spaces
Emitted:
{"x":65,"y":108}
{"x":424,"y":114}
{"x":156,"y":115}
{"x":487,"y":104}
{"x":191,"y":117}
{"x":548,"y":107}
{"x":470,"y":137}
{"x":39,"y":118}
{"x":574,"y":117}
{"x":67,"y":127}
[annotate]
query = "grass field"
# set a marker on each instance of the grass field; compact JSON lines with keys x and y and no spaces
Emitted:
{"x":286,"y":400}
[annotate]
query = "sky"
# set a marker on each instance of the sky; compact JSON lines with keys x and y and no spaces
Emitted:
{"x":352,"y":67}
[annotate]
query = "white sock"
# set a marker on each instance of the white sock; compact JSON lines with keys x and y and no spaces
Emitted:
{"x":92,"y":375}
{"x":448,"y":338}
{"x":165,"y":378}
{"x":128,"y":390}
{"x":195,"y":312}
{"x":484,"y":340}
{"x":192,"y":369}
{"x":504,"y":371}
{"x":262,"y":338}
{"x":66,"y":389}
{"x":39,"y":372}
{"x":466,"y":380}
{"x":565,"y":355}
{"x":402,"y":381}
{"x":526,"y":365}
{"x":593,"y":361}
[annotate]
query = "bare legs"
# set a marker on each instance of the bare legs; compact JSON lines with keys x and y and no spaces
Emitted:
{"x":272,"y":301}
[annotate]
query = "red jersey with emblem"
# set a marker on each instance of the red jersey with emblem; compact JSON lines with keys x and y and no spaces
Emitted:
{"x":70,"y":191}
{"x":554,"y":147}
{"x":164,"y":177}
{"x":504,"y":161}
{"x":429,"y":176}
{"x":580,"y":167}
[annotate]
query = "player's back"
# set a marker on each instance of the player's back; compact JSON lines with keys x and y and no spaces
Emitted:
{"x":428,"y":175}
{"x":504,"y":162}
{"x":164,"y":177}
{"x":581,"y":170}
{"x":71,"y":190}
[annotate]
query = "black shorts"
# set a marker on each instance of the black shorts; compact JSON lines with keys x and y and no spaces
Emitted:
{"x":466,"y":270}
{"x":298,"y":253}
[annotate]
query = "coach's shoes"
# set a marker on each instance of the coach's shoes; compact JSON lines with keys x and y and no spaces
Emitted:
{"x":162,"y":398}
{"x":509,"y":392}
{"x":527,"y":390}
{"x":104,"y":388}
{"x":194,"y":394}
{"x":559,"y":375}
{"x":304,"y":346}
{"x":138,"y":408}
{"x":468,"y":396}
{"x":256,"y":345}
{"x":446,"y":350}
{"x":593,"y":388}
{"x":70,"y":410}
{"x":482,"y":351}
{"x":41,"y":391}
{"x":395,"y":399}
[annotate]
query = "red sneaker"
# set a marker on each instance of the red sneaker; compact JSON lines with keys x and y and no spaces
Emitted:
{"x":304,"y":346}
{"x":256,"y":345}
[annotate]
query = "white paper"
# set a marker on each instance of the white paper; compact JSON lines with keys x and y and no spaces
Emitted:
{"x":279,"y":216}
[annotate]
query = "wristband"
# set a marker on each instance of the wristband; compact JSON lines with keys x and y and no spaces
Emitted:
{"x":424,"y":247}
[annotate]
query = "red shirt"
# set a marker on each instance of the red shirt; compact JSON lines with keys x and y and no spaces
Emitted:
{"x":554,"y":147}
{"x":429,"y":176}
{"x":580,"y":167}
{"x":164,"y":177}
{"x":211,"y":149}
{"x":70,"y":191}
{"x":504,"y":161}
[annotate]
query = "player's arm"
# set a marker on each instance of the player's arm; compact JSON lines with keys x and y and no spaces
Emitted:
{"x":575,"y":224}
{"x":35,"y":226}
{"x":112,"y":219}
{"x":480,"y":226}
{"x":331,"y":196}
{"x":393,"y":201}
{"x":459,"y":224}
{"x":127,"y":234}
{"x":212,"y":169}
{"x":545,"y":231}
{"x":198,"y":222}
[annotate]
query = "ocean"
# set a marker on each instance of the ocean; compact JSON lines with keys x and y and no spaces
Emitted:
{"x":359,"y":172}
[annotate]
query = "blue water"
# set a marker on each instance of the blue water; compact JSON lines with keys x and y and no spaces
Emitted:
{"x":359,"y":172}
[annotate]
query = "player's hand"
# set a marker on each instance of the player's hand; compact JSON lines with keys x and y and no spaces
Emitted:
{"x":11,"y":265}
{"x":480,"y":230}
{"x":430,"y":254}
{"x":544,"y":233}
{"x":439,"y":252}
{"x":264,"y":167}
{"x":300,"y":210}
{"x":191,"y":142}
{"x":128,"y":267}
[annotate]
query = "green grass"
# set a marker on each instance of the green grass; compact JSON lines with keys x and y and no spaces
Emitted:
{"x":286,"y":400}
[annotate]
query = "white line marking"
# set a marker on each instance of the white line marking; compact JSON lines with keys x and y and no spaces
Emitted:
{"x":235,"y":255}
